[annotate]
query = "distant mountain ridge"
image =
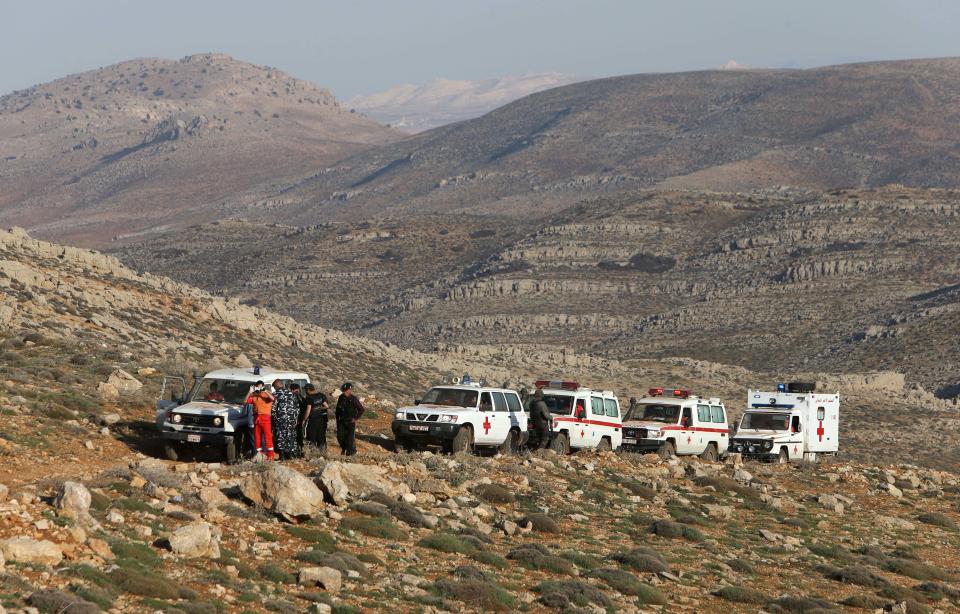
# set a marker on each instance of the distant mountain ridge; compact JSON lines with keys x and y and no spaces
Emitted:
{"x":414,"y":108}
{"x":150,"y":142}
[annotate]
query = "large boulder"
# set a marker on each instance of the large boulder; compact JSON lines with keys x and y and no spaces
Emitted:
{"x":342,"y":481}
{"x":283,"y":491}
{"x":4,"y":492}
{"x":198,"y":540}
{"x":120,"y":383}
{"x":328,"y":578}
{"x":29,"y":550}
{"x":73,"y":501}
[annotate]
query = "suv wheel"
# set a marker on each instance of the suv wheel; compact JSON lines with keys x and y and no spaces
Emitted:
{"x":463,"y":440}
{"x":710,"y":454}
{"x":560,"y":444}
{"x":231,"y":450}
{"x":667,"y":450}
{"x":784,"y":457}
{"x":604,"y":445}
{"x":170,"y":450}
{"x":401,"y":444}
{"x":511,"y":445}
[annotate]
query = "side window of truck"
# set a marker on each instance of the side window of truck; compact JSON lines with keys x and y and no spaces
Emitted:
{"x":611,"y":407}
{"x":686,"y":419}
{"x":716,"y":415}
{"x":499,"y":403}
{"x":596,"y":406}
{"x":513,"y":402}
{"x":703,"y":413}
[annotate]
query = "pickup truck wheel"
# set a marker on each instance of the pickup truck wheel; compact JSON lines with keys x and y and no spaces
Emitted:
{"x":170,"y":451}
{"x":401,"y":444}
{"x":784,"y":457}
{"x":710,"y":454}
{"x":667,"y":450}
{"x":511,"y":445}
{"x":231,"y":450}
{"x":463,"y":440}
{"x":604,"y":445}
{"x":561,"y":444}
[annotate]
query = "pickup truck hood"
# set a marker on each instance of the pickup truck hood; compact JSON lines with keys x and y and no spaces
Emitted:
{"x":433,"y":409}
{"x":772,"y":435}
{"x":639,"y":424}
{"x":204,"y":408}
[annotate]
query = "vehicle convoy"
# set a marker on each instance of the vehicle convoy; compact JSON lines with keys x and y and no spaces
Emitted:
{"x":213,"y":412}
{"x":793,"y":423}
{"x":582,"y":418}
{"x":461,"y":416}
{"x":672,"y":421}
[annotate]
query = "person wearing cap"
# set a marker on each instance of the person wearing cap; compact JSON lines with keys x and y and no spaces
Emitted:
{"x":315,"y":418}
{"x":286,"y":415}
{"x":540,"y":414}
{"x":349,"y":409}
{"x":262,"y":402}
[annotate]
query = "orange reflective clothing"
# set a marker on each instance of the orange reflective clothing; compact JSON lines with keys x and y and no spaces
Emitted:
{"x":262,"y":403}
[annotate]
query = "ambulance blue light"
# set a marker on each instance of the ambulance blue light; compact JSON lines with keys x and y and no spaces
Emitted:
{"x":781,"y":387}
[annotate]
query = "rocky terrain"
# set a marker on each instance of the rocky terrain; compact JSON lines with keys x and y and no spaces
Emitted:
{"x":856,"y":125}
{"x":93,"y":521}
{"x":847,"y":281}
{"x":145,"y":145}
{"x":413,"y":108}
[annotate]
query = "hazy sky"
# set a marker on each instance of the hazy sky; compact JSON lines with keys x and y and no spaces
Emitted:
{"x":362,"y":46}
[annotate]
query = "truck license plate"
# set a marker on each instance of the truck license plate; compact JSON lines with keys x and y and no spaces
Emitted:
{"x":629,"y":440}
{"x":417,"y":427}
{"x":193,"y":438}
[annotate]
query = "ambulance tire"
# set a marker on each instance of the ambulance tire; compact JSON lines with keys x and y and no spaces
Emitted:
{"x":667,"y":450}
{"x":710,"y":454}
{"x":784,"y":457}
{"x":232,"y":450}
{"x":604,"y":445}
{"x":463,"y":440}
{"x":170,"y":451}
{"x":401,"y":444}
{"x":511,"y":445}
{"x":560,"y":444}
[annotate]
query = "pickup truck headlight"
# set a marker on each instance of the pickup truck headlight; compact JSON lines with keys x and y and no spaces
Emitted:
{"x":399,"y":415}
{"x":767,"y":445}
{"x":653,"y":434}
{"x":218,"y":421}
{"x":447,"y":419}
{"x":177,"y":419}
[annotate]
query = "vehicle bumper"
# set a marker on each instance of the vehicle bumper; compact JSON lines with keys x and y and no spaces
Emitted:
{"x":212,"y":439}
{"x":434,"y":433}
{"x":640,"y":445}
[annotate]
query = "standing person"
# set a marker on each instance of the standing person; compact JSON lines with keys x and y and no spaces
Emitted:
{"x":315,"y":418}
{"x":286,"y":413}
{"x":349,"y":409}
{"x":262,"y":402}
{"x":540,"y":414}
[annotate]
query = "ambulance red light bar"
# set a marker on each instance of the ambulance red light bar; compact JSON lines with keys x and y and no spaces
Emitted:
{"x":543,"y":383}
{"x":676,"y":392}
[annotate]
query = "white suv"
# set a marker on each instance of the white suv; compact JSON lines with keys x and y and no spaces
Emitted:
{"x":673,"y":422}
{"x":582,"y":418}
{"x":461,"y":416}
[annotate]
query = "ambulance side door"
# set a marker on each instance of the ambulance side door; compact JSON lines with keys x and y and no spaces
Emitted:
{"x":701,"y":436}
{"x":685,"y":441}
{"x":581,"y":411}
{"x":718,"y":417}
{"x":500,"y":417}
{"x":486,"y":421}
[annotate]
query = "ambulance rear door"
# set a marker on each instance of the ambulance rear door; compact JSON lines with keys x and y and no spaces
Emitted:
{"x":822,"y":423}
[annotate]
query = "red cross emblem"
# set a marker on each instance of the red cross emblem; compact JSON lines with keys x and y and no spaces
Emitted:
{"x":820,"y":431}
{"x":689,"y":438}
{"x":794,"y":449}
{"x":486,"y":425}
{"x":581,"y":433}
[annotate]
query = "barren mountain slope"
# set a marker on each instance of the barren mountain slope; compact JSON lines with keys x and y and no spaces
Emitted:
{"x":147,"y":143}
{"x":850,"y":125}
{"x":854,"y":280}
{"x":413,"y":108}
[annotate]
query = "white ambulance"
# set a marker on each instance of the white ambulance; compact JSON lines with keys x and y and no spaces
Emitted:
{"x":582,"y":418}
{"x":462,"y":416}
{"x":793,"y":423}
{"x":671,"y":422}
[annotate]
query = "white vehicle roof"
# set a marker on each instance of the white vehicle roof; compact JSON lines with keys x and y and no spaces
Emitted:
{"x":680,"y":400}
{"x":472,"y":387}
{"x":247,"y":375}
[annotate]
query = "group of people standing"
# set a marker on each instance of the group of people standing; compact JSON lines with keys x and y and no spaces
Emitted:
{"x":285,"y":420}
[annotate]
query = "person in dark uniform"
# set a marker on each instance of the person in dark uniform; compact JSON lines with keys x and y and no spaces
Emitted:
{"x":349,"y":409}
{"x":315,"y":418}
{"x":540,"y":414}
{"x":286,"y":411}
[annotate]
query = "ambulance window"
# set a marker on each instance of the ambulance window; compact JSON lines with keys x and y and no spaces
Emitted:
{"x":686,"y":420}
{"x":485,"y":403}
{"x":513,"y":402}
{"x":716,"y":414}
{"x":821,"y":413}
{"x":611,"y":407}
{"x":499,"y":403}
{"x":703,"y":413}
{"x":596,"y":406}
{"x":795,"y":424}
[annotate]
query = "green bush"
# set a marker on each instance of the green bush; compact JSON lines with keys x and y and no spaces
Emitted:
{"x":134,"y":554}
{"x":102,"y":598}
{"x":641,"y":559}
{"x":446,"y":542}
{"x":800,"y":605}
{"x":542,"y":523}
{"x":382,"y":528}
{"x":145,"y":584}
{"x":342,"y":561}
{"x":916,"y":570}
{"x":276,"y":574}
{"x":320,"y":539}
{"x":494,"y":493}
{"x":671,"y":529}
{"x":626,"y":583}
{"x":538,"y":556}
{"x":938,"y":520}
{"x":485,"y":595}
{"x":581,"y":559}
{"x":740,"y":594}
{"x":56,"y":602}
{"x":859,"y":575}
{"x":566,"y":593}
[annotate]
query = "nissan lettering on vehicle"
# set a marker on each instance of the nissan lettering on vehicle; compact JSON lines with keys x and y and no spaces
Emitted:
{"x":672,"y":421}
{"x":791,"y":424}
{"x":462,"y":416}
{"x":582,"y":418}
{"x":213,"y":412}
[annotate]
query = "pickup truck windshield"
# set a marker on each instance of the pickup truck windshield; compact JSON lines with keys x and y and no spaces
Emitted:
{"x":655,"y":412}
{"x":222,"y":391}
{"x":451,"y":397}
{"x":756,"y":421}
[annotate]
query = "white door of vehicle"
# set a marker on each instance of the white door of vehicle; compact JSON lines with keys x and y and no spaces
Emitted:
{"x":499,"y":419}
{"x":685,"y":441}
{"x":578,"y":430}
{"x":173,"y":392}
{"x":612,"y":411}
{"x":595,"y":429}
{"x":518,"y":417}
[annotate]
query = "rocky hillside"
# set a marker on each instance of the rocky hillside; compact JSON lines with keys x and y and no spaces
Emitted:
{"x":840,"y":126}
{"x":413,"y":108}
{"x":847,"y":281}
{"x":146,"y":144}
